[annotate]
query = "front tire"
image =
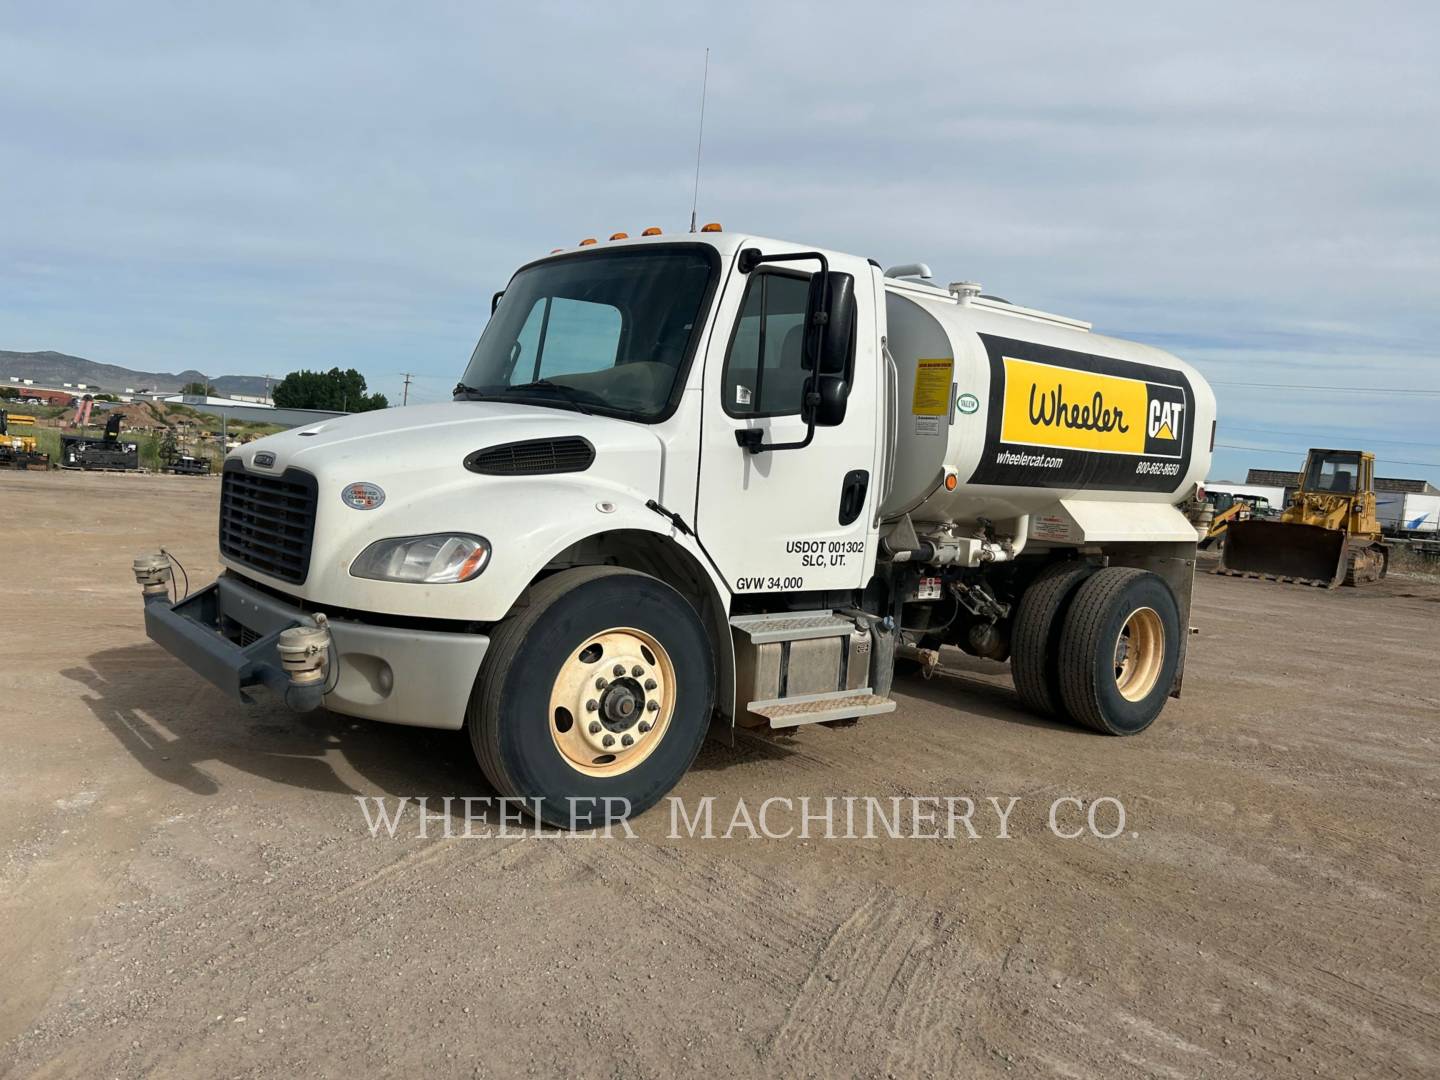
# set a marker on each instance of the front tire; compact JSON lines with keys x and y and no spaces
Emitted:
{"x":1119,"y":650}
{"x":594,"y":697}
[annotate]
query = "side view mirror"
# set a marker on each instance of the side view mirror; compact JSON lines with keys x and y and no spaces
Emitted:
{"x":829,"y":347}
{"x":830,"y":323}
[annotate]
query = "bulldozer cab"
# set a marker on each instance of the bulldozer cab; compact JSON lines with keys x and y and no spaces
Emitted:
{"x":1338,"y":472}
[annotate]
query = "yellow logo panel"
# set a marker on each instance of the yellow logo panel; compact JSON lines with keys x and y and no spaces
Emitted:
{"x":1075,"y":410}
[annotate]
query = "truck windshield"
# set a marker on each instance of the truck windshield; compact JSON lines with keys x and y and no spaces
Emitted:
{"x":602,"y":331}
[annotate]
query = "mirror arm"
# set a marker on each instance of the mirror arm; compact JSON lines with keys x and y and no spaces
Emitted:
{"x":752,"y":439}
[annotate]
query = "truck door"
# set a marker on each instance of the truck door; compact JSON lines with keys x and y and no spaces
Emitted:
{"x":787,"y":520}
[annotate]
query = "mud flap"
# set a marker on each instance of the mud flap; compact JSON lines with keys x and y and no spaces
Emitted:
{"x":1285,"y":551}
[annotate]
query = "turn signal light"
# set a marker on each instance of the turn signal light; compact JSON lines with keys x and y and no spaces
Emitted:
{"x":620,"y":236}
{"x":653,"y":230}
{"x":588,"y":241}
{"x":951,"y":481}
{"x":714,"y":226}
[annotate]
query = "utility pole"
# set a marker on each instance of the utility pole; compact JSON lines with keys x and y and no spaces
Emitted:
{"x":405,"y":393}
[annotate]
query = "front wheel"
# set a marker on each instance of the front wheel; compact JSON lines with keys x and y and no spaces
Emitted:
{"x":1118,"y":650}
{"x":595,"y":696}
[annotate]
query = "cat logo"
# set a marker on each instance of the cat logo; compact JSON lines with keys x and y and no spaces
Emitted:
{"x":1165,"y":420}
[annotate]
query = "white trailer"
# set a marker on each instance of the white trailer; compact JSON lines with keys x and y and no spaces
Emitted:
{"x":1408,"y":513}
{"x":714,"y":477}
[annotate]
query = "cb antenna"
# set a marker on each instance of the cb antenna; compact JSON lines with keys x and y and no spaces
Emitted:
{"x":700,"y":142}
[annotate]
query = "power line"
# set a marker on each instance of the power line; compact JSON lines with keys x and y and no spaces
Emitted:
{"x":1290,"y":452}
{"x":1336,"y":389}
{"x":1310,"y":434}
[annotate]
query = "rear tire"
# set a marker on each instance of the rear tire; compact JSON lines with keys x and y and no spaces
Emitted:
{"x":530,"y":715}
{"x":1035,"y":638}
{"x":1118,"y":650}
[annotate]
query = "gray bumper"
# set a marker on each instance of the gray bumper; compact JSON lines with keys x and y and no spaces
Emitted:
{"x":227,"y":632}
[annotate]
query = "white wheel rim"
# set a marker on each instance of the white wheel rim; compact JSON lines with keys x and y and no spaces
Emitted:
{"x":612,"y":702}
{"x":1139,"y":654}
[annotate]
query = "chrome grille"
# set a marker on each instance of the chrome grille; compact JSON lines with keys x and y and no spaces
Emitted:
{"x":267,"y":522}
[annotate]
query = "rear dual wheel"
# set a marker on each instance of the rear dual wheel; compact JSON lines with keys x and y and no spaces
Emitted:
{"x":1098,"y":647}
{"x":594,"y":697}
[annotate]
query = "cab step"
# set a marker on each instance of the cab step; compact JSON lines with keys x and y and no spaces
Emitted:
{"x":820,"y":708}
{"x":792,"y":626}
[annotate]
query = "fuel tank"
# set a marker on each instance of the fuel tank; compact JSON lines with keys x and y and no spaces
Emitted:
{"x":999,"y":411}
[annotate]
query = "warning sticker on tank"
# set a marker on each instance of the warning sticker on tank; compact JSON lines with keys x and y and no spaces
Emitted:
{"x":1073,"y":420}
{"x":932,"y":387}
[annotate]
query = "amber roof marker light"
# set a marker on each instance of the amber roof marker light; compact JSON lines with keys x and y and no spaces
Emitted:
{"x":713,"y":226}
{"x":653,"y":230}
{"x":620,"y":236}
{"x":588,"y":241}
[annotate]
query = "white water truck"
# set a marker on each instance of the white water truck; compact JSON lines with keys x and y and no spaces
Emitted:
{"x":714,"y":479}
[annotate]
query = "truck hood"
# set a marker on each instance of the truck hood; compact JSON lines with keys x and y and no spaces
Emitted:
{"x":436,"y":437}
{"x":416,"y":456}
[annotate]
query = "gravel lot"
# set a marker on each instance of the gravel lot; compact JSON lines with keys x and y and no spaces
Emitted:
{"x":188,"y":887}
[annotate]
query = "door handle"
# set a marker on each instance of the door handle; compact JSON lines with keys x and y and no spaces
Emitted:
{"x":852,"y":495}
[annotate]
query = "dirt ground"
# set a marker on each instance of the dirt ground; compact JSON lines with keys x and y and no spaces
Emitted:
{"x":188,"y":887}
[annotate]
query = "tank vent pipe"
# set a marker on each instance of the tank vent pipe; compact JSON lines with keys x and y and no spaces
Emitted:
{"x":904,"y":270}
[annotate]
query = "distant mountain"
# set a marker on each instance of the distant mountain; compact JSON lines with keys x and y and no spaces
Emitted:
{"x":54,"y":368}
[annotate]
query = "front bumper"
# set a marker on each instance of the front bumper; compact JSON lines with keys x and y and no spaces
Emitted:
{"x":227,"y":632}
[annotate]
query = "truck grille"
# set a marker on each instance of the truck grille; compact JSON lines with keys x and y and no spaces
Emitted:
{"x":267,"y":522}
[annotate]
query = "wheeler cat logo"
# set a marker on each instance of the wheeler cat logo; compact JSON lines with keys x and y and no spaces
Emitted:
{"x":1071,"y":409}
{"x":1064,"y":419}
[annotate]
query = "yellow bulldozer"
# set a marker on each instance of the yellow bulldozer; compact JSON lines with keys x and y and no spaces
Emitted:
{"x":1329,"y":533}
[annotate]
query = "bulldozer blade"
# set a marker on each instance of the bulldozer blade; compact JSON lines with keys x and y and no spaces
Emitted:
{"x":1307,"y":554}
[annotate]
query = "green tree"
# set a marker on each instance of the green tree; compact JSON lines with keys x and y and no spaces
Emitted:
{"x":169,"y":448}
{"x":334,"y":389}
{"x":197,"y":388}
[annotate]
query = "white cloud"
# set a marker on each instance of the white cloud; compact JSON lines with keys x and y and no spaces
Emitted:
{"x":268,"y":186}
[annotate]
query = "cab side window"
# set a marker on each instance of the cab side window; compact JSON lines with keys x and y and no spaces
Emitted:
{"x":763,"y":372}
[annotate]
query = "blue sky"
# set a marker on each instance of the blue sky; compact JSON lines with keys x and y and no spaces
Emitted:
{"x":256,"y":188}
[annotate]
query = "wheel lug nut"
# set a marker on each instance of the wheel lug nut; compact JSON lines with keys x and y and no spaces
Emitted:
{"x":609,"y":740}
{"x":637,"y":671}
{"x":627,"y":740}
{"x":594,"y":727}
{"x":591,"y":705}
{"x":653,"y":706}
{"x":600,"y":683}
{"x":619,"y":670}
{"x":649,"y":684}
{"x":644,"y":726}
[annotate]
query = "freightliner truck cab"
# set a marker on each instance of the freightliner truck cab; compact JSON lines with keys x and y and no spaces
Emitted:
{"x":713,"y":478}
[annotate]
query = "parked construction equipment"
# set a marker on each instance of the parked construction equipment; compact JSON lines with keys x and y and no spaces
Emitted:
{"x":19,"y":448}
{"x":1329,"y":533}
{"x":106,"y":452}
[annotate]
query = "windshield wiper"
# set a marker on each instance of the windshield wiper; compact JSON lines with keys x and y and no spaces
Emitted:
{"x":568,"y":393}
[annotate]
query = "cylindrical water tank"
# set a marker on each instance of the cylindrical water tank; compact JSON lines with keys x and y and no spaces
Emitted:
{"x":1000,"y":412}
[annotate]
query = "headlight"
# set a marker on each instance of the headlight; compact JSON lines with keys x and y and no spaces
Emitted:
{"x":437,"y":559}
